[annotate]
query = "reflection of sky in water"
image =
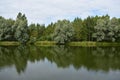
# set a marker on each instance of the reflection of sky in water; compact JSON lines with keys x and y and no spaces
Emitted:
{"x":45,"y":70}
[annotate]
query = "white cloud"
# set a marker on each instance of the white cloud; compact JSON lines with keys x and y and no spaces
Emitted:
{"x":46,"y":11}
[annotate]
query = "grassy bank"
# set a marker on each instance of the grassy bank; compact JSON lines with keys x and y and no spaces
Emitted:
{"x":84,"y":43}
{"x":92,"y":44}
{"x":9,"y":43}
{"x":45,"y":43}
{"x":52,"y":43}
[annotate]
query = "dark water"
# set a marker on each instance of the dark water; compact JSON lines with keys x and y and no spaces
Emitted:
{"x":59,"y":63}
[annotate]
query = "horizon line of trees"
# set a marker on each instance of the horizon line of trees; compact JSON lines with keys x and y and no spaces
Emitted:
{"x":97,"y":28}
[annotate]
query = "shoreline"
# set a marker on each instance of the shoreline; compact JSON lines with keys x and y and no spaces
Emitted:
{"x":52,"y":43}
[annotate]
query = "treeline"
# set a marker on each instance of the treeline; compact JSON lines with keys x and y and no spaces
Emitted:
{"x":98,"y":28}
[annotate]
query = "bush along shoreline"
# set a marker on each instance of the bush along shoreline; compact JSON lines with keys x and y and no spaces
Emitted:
{"x":91,"y":31}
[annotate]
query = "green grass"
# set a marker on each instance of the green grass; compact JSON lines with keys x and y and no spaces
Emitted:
{"x":9,"y":43}
{"x":82,"y":43}
{"x":45,"y":43}
{"x":92,"y":44}
{"x":52,"y":43}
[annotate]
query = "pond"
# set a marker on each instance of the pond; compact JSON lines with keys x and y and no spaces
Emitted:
{"x":59,"y":63}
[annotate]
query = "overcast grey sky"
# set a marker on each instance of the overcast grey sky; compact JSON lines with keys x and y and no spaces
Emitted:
{"x":46,"y":11}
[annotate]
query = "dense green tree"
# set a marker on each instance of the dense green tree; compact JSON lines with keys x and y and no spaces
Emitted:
{"x":101,"y":29}
{"x":33,"y":33}
{"x":6,"y":33}
{"x":114,"y":29}
{"x":88,"y":28}
{"x":64,"y":32}
{"x":48,"y":33}
{"x":78,"y":25}
{"x":32,"y":30}
{"x":107,"y":30}
{"x":36,"y":31}
{"x":21,"y":28}
{"x":41,"y":30}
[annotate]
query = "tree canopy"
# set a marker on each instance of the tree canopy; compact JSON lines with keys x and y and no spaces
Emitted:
{"x":92,"y":28}
{"x":63,"y":32}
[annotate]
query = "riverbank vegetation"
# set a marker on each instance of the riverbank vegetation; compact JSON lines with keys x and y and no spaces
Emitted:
{"x":93,"y":44}
{"x":9,"y":43}
{"x":91,"y":29}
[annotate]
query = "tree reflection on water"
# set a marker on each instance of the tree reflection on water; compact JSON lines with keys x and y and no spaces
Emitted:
{"x":92,"y":58}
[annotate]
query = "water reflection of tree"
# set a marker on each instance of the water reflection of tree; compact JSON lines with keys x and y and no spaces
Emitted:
{"x":94,"y":58}
{"x":17,"y":56}
{"x":107,"y":58}
{"x":58,"y":54}
{"x":10,"y":56}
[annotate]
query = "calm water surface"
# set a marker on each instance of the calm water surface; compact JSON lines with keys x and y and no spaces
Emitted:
{"x":59,"y":63}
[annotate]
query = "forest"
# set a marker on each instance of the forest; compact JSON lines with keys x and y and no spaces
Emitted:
{"x":93,"y":28}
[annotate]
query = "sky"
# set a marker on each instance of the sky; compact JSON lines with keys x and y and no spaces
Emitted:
{"x":47,"y":11}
